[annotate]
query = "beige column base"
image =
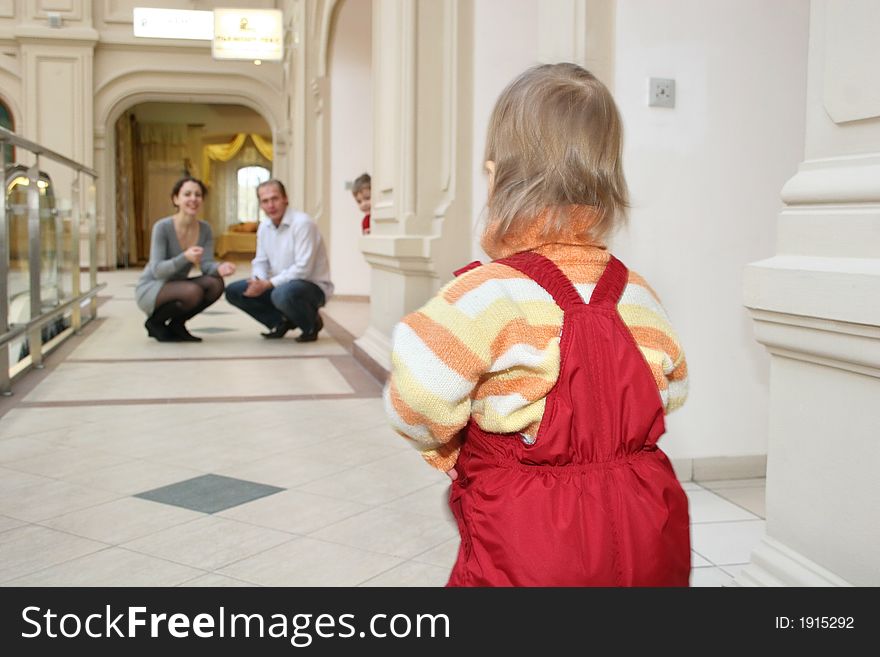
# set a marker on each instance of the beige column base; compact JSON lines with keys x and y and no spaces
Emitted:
{"x":775,"y":564}
{"x":402,"y":280}
{"x":818,"y":319}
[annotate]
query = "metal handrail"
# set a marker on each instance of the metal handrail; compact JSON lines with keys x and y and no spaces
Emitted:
{"x":48,"y":316}
{"x":39,"y":317}
{"x":11,"y":138}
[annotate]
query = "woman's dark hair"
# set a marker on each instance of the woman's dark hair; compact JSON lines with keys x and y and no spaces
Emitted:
{"x":180,"y":183}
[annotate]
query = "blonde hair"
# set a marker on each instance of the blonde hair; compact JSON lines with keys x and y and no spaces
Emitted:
{"x":555,"y":137}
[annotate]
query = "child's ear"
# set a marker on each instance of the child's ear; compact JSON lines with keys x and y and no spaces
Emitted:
{"x":490,"y":171}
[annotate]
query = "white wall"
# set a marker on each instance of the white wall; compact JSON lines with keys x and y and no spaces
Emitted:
{"x":504,"y":46}
{"x":705,"y":179}
{"x":351,"y":141}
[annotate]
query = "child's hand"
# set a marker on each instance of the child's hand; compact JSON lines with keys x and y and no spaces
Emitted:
{"x":452,"y":473}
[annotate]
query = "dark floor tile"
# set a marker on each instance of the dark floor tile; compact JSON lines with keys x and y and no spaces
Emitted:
{"x":209,"y":493}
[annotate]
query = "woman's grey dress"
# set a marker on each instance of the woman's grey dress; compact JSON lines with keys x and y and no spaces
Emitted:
{"x":167,"y":262}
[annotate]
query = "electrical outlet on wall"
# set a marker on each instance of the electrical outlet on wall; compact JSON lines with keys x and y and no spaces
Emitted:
{"x":661,"y":92}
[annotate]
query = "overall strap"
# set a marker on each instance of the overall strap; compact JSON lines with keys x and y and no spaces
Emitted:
{"x":610,"y":286}
{"x":546,"y":274}
{"x":467,"y":268}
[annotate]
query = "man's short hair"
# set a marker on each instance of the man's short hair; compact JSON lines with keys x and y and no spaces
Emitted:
{"x":273,"y":181}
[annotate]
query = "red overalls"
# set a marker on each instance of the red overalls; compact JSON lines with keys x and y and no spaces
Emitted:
{"x":593,"y":502}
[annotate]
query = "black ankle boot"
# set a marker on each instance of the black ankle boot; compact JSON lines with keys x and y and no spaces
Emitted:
{"x":178,"y":329}
{"x":158,"y":330}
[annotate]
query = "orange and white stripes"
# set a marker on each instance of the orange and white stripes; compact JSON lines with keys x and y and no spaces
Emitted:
{"x":487,"y":346}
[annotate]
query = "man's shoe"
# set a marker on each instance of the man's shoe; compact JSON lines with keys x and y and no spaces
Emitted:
{"x":278,"y":331}
{"x":311,"y":337}
{"x":178,"y":330}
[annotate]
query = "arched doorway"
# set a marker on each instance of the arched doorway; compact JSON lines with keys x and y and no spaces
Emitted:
{"x":157,"y":143}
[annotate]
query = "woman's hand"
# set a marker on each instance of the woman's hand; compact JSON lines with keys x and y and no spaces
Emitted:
{"x":226,"y":268}
{"x":452,"y":473}
{"x":194,"y":254}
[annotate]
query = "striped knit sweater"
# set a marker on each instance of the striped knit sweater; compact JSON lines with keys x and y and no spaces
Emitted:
{"x":487,"y":347}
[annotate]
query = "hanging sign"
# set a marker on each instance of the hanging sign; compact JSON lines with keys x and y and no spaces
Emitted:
{"x":255,"y":34}
{"x":173,"y":23}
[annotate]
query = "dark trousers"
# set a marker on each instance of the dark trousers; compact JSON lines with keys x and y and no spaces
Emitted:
{"x":296,"y":301}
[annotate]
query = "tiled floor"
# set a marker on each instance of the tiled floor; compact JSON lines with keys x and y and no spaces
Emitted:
{"x":339,"y":499}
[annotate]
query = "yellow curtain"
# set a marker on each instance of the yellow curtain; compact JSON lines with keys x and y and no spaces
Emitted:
{"x":221,"y":152}
{"x":225,"y":152}
{"x":263,"y":145}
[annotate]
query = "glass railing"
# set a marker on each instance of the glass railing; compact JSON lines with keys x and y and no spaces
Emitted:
{"x":48,"y":288}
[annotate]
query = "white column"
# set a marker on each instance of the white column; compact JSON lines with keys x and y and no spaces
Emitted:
{"x":420,"y":224}
{"x":579,"y":31}
{"x":816,"y":307}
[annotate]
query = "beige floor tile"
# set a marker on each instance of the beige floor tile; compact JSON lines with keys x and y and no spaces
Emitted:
{"x":725,"y":543}
{"x":11,"y":481}
{"x":709,"y":576}
{"x":381,"y":435}
{"x":67,"y":462}
{"x":411,"y":573}
{"x":135,"y":476}
{"x":122,"y":336}
{"x":73,"y":381}
{"x":25,"y":550}
{"x":213,"y":580}
{"x":28,"y":421}
{"x":110,"y":567}
{"x":209,"y":543}
{"x":203,"y":455}
{"x":284,"y":470}
{"x":407,"y":466}
{"x":367,"y":486}
{"x":50,"y":498}
{"x":356,"y":418}
{"x":750,"y":499}
{"x":7,"y":523}
{"x":16,"y":449}
{"x":349,"y":451}
{"x":444,"y":555}
{"x":697,"y":561}
{"x":430,"y":501}
{"x":706,"y":506}
{"x":307,"y":562}
{"x":354,"y":316}
{"x":294,"y":512}
{"x":122,"y":520}
{"x":398,"y":533}
{"x":733,"y":569}
{"x":282,"y":437}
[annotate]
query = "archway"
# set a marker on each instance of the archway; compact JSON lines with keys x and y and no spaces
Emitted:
{"x":126,"y":91}
{"x":158,"y":143}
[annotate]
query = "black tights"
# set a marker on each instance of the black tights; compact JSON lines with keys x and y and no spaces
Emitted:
{"x":179,"y":301}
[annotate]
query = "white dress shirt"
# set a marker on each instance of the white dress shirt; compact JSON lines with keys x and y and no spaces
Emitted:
{"x":292,"y":250}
